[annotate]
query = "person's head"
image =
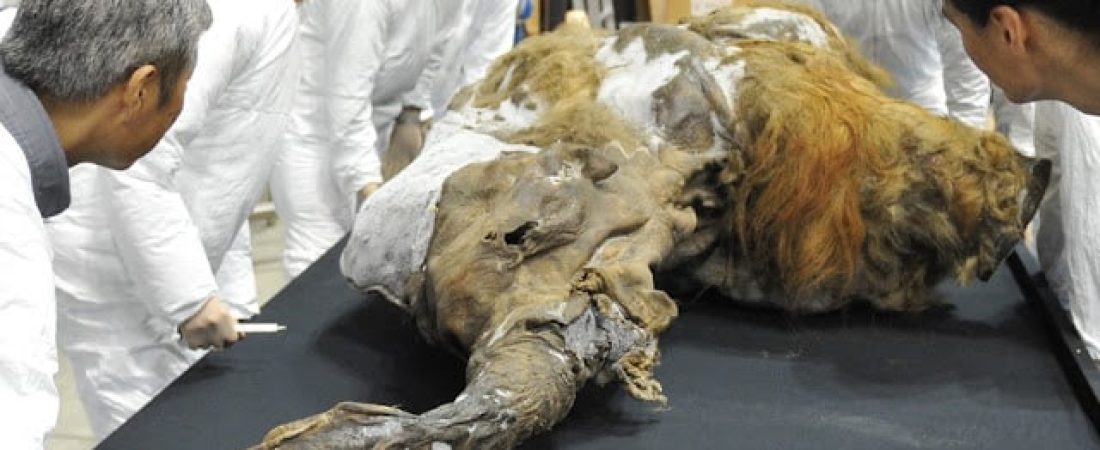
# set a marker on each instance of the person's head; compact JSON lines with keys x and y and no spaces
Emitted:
{"x":122,"y":64}
{"x":1034,"y":49}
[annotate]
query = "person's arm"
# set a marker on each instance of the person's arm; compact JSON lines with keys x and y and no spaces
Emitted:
{"x":237,"y":278}
{"x":447,"y":15}
{"x":495,"y":23}
{"x":28,"y":358}
{"x":967,"y":89}
{"x":355,"y":46}
{"x":159,"y":244}
{"x":411,"y":126}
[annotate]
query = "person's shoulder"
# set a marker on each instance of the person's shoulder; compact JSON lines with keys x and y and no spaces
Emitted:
{"x":7,"y":16}
{"x":15,"y":175}
{"x":11,"y":153}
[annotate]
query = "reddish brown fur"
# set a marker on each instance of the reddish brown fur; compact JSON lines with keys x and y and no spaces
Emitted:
{"x":829,"y":158}
{"x":808,"y":150}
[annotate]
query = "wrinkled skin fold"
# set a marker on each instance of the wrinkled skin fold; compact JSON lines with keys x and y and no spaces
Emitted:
{"x":750,"y":151}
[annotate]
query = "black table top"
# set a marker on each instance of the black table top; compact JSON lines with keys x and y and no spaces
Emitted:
{"x":981,"y":373}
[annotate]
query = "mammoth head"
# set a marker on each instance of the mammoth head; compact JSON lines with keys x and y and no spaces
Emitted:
{"x":1028,"y":201}
{"x":995,"y":194}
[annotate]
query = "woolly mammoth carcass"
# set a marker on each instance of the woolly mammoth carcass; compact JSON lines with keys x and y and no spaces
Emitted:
{"x":535,"y":232}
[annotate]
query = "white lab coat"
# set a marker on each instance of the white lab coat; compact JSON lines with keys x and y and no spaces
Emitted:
{"x":475,"y":37}
{"x":140,"y":251}
{"x":1068,"y":243}
{"x":921,"y":49}
{"x":7,"y":15}
{"x":361,"y":59}
{"x":28,"y":353}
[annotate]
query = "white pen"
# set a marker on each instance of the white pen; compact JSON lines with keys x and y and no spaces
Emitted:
{"x":260,"y":327}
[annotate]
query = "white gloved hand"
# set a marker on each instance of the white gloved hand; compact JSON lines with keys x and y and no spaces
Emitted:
{"x":213,"y":326}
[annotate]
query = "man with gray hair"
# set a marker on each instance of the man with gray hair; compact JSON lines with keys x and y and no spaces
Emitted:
{"x":170,"y":234}
{"x":95,"y":81}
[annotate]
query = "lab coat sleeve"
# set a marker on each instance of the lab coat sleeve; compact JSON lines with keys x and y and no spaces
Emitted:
{"x":967,"y":89}
{"x":236,"y":277}
{"x":28,"y":355}
{"x":158,"y":242}
{"x":355,"y":48}
{"x":446,"y":32}
{"x":496,"y":21}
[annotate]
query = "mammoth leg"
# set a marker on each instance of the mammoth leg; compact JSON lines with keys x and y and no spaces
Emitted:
{"x":522,"y":384}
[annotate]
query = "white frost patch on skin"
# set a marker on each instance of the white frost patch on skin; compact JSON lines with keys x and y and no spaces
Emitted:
{"x":506,"y":118}
{"x":393,"y":229}
{"x":503,"y":393}
{"x":728,"y":77}
{"x":806,"y":28}
{"x":633,"y":76}
{"x":568,"y":171}
{"x":441,"y":446}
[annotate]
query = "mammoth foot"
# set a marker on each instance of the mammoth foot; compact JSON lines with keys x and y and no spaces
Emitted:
{"x":518,"y":385}
{"x":361,"y":426}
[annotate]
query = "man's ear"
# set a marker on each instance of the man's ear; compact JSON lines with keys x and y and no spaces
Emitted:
{"x":141,"y":92}
{"x":1011,"y":28}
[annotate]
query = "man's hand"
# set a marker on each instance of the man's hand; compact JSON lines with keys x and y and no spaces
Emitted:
{"x":213,"y":326}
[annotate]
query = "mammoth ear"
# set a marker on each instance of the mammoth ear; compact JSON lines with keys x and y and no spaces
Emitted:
{"x":1036,"y":189}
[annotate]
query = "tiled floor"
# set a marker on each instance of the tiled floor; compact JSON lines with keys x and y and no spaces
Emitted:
{"x":73,"y":432}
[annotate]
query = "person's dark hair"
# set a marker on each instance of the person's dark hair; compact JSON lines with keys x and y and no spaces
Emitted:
{"x":77,"y":50}
{"x":1082,"y":16}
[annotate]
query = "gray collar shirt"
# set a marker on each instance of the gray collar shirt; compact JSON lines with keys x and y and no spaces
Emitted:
{"x":24,"y":117}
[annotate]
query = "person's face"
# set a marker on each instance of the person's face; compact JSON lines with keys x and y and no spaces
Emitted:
{"x":996,"y":50}
{"x":145,"y":120}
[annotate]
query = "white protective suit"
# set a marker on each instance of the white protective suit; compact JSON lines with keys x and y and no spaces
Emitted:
{"x":7,"y":15}
{"x":28,"y":353}
{"x":361,"y":61}
{"x":1068,"y":242}
{"x":921,"y":49}
{"x":141,"y":251}
{"x":482,"y":32}
{"x":28,"y":309}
